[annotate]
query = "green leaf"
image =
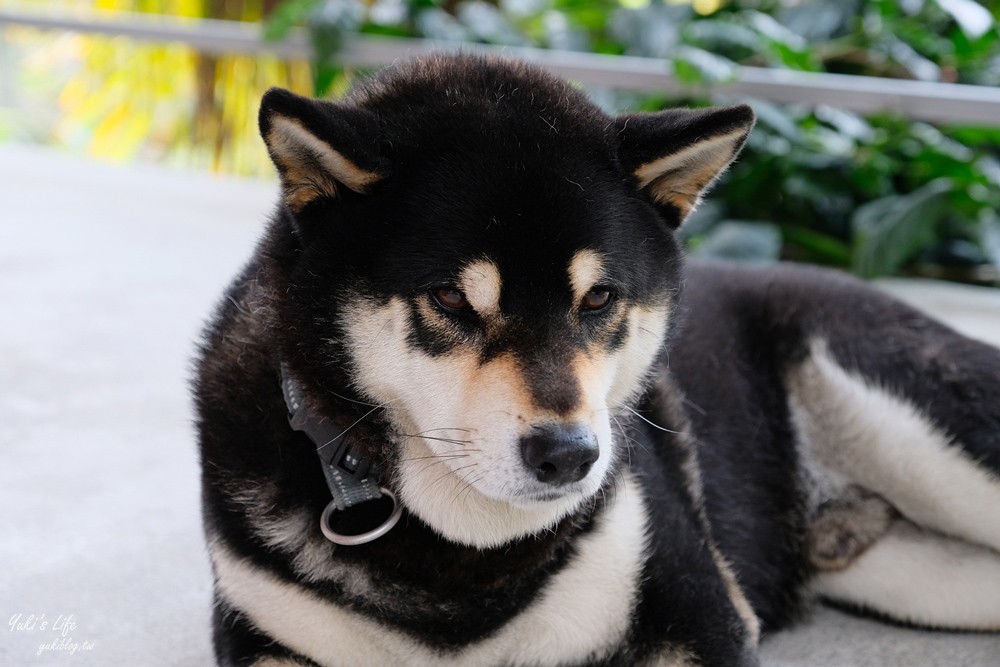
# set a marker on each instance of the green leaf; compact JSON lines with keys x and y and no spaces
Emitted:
{"x":989,"y":168}
{"x":694,"y":65}
{"x":324,"y":77}
{"x":329,"y":23}
{"x":722,"y":33}
{"x":488,"y":24}
{"x":846,"y":122}
{"x":774,"y":31}
{"x":889,"y":231}
{"x":785,"y":47}
{"x":989,"y":236}
{"x":561,"y":34}
{"x":917,"y":65}
{"x":816,"y":246}
{"x":758,"y":242}
{"x":285,"y":16}
{"x":972,"y":18}
{"x":817,"y":21}
{"x":976,"y":135}
{"x":653,"y":31}
{"x":777,"y":118}
{"x":438,"y":24}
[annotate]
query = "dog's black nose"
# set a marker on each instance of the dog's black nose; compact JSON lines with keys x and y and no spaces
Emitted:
{"x":560,"y":454}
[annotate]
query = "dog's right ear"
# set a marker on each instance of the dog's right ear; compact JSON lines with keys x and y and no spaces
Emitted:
{"x":676,"y":154}
{"x":319,"y":147}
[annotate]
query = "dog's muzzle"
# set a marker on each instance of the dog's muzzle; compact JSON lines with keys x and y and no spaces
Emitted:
{"x":560,"y":454}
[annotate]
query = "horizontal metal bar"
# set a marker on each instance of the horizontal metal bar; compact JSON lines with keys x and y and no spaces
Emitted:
{"x":938,"y":102}
{"x":205,"y":35}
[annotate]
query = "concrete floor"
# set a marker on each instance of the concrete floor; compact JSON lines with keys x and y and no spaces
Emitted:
{"x":106,"y":275}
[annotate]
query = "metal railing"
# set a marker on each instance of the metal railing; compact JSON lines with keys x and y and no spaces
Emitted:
{"x":937,"y":102}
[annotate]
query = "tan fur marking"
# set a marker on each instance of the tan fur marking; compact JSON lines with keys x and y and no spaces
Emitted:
{"x":477,"y":414}
{"x":671,"y":399}
{"x":481,"y":283}
{"x":646,"y":329}
{"x":680,"y":178}
{"x":437,"y":321}
{"x":586,"y":269}
{"x":503,"y":376}
{"x":737,"y":596}
{"x":290,"y":142}
{"x":595,"y":375}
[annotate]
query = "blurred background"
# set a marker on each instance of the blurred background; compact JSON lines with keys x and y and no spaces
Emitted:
{"x":133,"y":184}
{"x":894,"y":175}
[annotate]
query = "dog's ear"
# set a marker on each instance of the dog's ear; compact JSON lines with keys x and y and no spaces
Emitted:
{"x":319,"y":147}
{"x":675,"y":155}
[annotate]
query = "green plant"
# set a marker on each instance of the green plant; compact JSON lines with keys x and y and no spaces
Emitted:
{"x":878,"y":195}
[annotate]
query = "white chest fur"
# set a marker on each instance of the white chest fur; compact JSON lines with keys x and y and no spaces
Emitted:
{"x":582,"y":612}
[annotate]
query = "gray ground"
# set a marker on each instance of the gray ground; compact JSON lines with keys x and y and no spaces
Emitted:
{"x":106,"y":275}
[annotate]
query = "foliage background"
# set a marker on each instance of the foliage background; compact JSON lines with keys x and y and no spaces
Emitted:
{"x":879,"y":195}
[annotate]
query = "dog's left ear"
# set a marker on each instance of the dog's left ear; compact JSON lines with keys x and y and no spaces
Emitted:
{"x":320,"y":148}
{"x":675,"y":155}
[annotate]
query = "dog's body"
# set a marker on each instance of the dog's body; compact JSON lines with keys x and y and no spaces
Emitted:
{"x":601,"y":457}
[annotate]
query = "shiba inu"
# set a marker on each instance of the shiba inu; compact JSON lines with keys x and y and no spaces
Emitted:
{"x":466,"y":406}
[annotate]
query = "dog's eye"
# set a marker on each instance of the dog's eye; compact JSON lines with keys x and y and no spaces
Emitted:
{"x":596,"y":299}
{"x":450,"y":298}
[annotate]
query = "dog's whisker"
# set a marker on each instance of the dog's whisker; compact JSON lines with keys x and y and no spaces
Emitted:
{"x":352,"y":400}
{"x":445,"y":457}
{"x":451,"y":472}
{"x":428,"y":437}
{"x":428,"y":464}
{"x":694,"y":406}
{"x":448,"y":428}
{"x":431,"y":459}
{"x":360,"y":419}
{"x":630,"y":443}
{"x":653,"y":424}
{"x":468,"y":486}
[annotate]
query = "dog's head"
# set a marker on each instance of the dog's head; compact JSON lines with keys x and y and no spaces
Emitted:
{"x":492,"y":260}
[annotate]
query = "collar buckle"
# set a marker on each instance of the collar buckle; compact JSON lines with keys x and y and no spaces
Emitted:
{"x":349,"y":476}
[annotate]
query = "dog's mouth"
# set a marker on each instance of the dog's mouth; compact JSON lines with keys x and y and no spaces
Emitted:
{"x":531,"y":498}
{"x":485,"y":494}
{"x":529,"y":493}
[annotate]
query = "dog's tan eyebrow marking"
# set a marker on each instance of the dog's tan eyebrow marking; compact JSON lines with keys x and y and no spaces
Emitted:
{"x":480,"y":281}
{"x":586,"y":269}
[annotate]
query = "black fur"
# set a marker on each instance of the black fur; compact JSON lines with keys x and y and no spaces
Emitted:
{"x":480,"y":158}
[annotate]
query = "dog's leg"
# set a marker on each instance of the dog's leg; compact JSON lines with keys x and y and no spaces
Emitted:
{"x":853,"y":430}
{"x":922,"y":577}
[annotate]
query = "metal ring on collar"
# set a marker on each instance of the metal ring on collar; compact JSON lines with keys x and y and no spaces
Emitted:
{"x":360,"y":538}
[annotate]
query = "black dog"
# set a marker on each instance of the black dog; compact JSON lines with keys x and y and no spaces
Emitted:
{"x":522,"y":434}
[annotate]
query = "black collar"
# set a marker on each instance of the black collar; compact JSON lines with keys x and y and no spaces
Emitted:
{"x":350,"y":477}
